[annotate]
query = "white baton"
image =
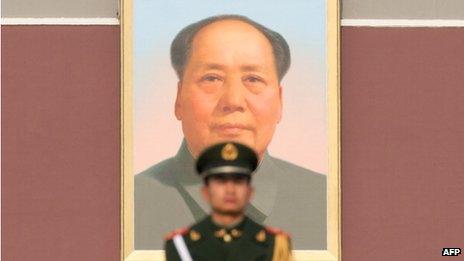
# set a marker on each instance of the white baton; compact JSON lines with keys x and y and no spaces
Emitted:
{"x":181,"y":248}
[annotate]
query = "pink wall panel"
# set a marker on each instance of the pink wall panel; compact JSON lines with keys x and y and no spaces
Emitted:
{"x":60,"y":143}
{"x":403,"y":142}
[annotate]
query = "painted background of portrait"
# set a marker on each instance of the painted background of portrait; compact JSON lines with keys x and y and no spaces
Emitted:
{"x":300,"y":137}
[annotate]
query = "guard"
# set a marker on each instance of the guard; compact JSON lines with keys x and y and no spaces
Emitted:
{"x":227,"y":234}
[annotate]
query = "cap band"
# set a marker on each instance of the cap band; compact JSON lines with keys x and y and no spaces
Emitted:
{"x":226,"y":170}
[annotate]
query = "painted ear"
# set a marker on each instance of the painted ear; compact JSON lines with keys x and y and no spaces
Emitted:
{"x":279,"y":117}
{"x":177,"y":104}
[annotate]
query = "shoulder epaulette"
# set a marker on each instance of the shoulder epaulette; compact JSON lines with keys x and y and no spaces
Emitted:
{"x":282,"y":244}
{"x":276,"y":231}
{"x":181,"y":231}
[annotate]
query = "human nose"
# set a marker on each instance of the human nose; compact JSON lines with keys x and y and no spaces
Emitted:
{"x":230,"y":187}
{"x":233,"y":97}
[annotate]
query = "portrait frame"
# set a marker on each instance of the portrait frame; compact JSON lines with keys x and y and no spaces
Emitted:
{"x":333,"y":251}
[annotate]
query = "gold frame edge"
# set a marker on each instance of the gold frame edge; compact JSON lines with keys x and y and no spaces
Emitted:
{"x":334,"y":246}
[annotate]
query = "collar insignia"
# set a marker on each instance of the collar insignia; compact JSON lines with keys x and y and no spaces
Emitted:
{"x":220,"y":233}
{"x":235,"y":233}
{"x":227,"y":237}
{"x":261,"y":236}
{"x":194,"y":235}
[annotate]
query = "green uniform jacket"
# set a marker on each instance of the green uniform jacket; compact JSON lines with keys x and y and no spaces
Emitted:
{"x":205,"y":242}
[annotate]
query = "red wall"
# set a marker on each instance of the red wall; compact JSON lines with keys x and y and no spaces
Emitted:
{"x":402,"y":139}
{"x":60,"y":143}
{"x":403,"y":142}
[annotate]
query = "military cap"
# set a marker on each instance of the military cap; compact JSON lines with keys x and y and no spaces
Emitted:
{"x":229,"y":158}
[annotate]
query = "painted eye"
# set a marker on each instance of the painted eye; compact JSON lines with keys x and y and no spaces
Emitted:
{"x":211,"y":78}
{"x":254,"y":83}
{"x":210,"y":83}
{"x":253,"y":79}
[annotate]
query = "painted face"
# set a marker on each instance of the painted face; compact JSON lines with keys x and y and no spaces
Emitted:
{"x":230,"y":89}
{"x":227,"y":195}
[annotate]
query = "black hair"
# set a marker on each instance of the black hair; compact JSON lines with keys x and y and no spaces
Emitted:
{"x":182,"y":43}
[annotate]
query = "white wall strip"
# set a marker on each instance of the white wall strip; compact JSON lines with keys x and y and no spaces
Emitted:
{"x":60,"y":21}
{"x":402,"y":22}
{"x":344,"y":22}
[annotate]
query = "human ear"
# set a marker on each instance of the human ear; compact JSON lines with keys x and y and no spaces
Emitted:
{"x":205,"y":193}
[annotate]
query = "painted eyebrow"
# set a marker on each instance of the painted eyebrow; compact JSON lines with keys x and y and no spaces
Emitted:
{"x":243,"y":68}
{"x":252,"y":67}
{"x":212,"y":66}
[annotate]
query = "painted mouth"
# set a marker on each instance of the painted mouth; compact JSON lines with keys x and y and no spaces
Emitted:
{"x":231,"y":128}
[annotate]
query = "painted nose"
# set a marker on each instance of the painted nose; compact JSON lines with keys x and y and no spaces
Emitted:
{"x":233,"y":98}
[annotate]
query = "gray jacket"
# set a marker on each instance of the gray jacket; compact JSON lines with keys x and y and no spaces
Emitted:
{"x":167,"y":196}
